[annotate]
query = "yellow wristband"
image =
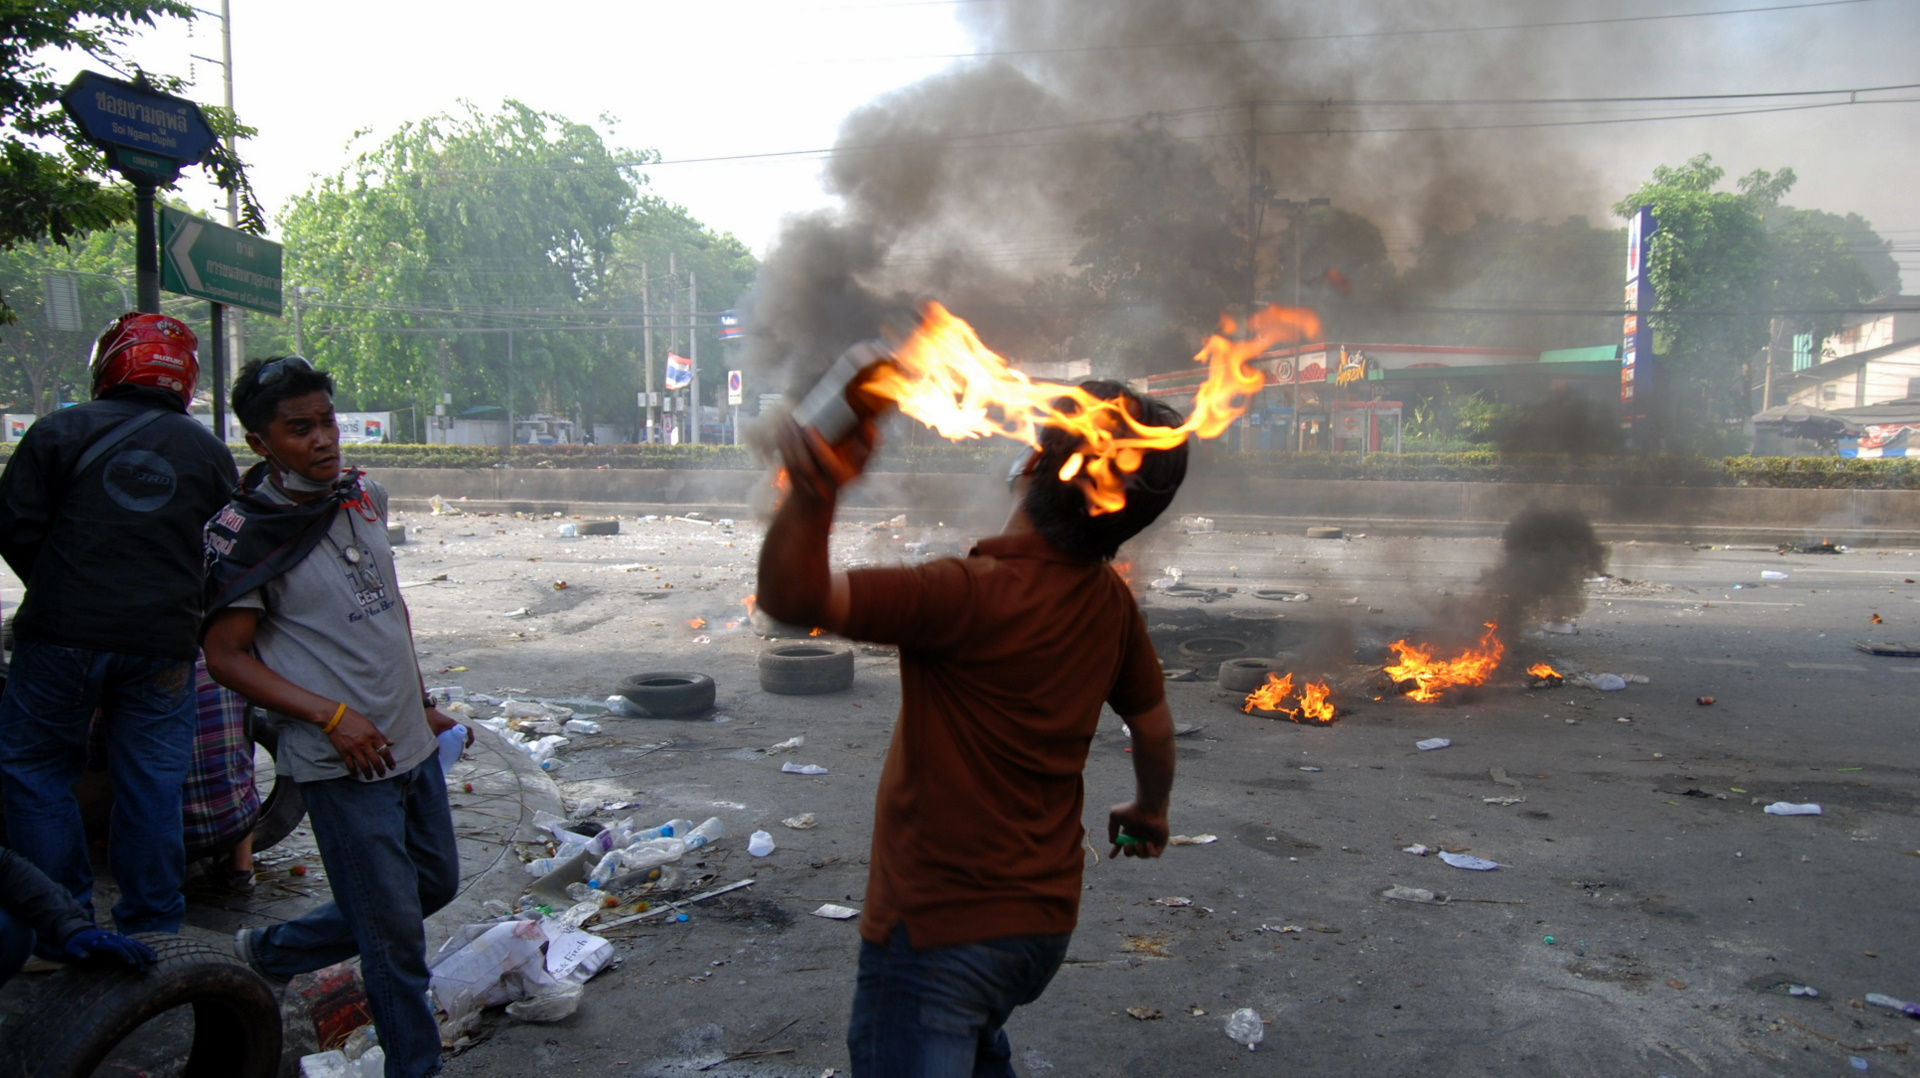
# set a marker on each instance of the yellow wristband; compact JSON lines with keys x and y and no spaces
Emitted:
{"x":335,"y":721}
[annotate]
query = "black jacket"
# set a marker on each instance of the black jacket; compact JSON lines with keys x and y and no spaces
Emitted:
{"x":45,"y":906}
{"x":112,"y":559}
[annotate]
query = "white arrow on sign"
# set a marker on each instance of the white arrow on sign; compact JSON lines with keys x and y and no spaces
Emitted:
{"x":181,"y":249}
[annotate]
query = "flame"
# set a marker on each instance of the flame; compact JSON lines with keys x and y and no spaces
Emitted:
{"x":1270,"y":696}
{"x":944,"y":377}
{"x":817,"y":630}
{"x":749,"y":602}
{"x":696,"y":622}
{"x":1123,"y":568}
{"x":1433,"y":676}
{"x":1314,"y":703}
{"x":1543,"y":670}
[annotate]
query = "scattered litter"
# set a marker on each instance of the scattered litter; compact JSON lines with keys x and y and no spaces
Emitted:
{"x":1703,"y":701}
{"x":1418,"y":849}
{"x":788,"y":745}
{"x":1608,"y":682}
{"x":1193,"y":840}
{"x":581,"y":726}
{"x":1174,"y":901}
{"x":1244,"y":1028}
{"x":1411,"y":894}
{"x":1788,"y":808}
{"x":335,"y":1064}
{"x":760,"y":844}
{"x":569,"y":531}
{"x":792,"y":768}
{"x":546,"y":962}
{"x":1676,"y":984}
{"x":1432,"y":743}
{"x":1192,"y":524}
{"x":1499,"y":775}
{"x":517,"y":612}
{"x":1857,"y":1063}
{"x":801,"y":822}
{"x":1503,"y":802}
{"x":1803,"y":991}
{"x":1772,"y":574}
{"x":703,"y":639}
{"x":1314,"y":770}
{"x":1179,"y":673}
{"x":836,"y":913}
{"x":1468,"y":861}
{"x":1146,"y":1014}
{"x":1911,"y":1010}
{"x":674,"y":907}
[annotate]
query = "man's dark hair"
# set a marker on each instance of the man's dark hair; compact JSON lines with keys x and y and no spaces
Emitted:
{"x":1059,"y":509}
{"x":256,"y":404}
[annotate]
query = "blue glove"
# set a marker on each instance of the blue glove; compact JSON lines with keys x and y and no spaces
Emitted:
{"x":99,"y":943}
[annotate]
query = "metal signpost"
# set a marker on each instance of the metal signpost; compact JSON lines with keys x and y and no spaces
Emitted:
{"x":1636,"y":344}
{"x":736,"y":393}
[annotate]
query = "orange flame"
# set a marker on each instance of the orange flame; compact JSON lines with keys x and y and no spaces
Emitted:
{"x":817,"y":630}
{"x":944,"y":377}
{"x":1542,"y":670}
{"x":750,"y":600}
{"x":1270,"y":696}
{"x":1123,"y":568}
{"x":696,"y":622}
{"x":1433,"y":676}
{"x":1314,"y":703}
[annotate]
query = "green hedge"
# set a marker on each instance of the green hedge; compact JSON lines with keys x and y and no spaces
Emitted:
{"x":1212,"y":461}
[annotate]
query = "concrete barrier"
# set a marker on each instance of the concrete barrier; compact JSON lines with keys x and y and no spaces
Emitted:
{"x":1701,"y":514}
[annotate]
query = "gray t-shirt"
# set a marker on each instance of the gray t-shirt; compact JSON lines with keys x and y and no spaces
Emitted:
{"x":334,"y":625}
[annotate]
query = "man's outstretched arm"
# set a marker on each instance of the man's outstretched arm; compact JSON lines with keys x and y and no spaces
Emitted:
{"x":1144,"y":819}
{"x":797,"y":585}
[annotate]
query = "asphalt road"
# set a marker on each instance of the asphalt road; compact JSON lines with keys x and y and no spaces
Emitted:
{"x":1679,"y":912}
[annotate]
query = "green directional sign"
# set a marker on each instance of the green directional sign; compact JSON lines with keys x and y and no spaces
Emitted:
{"x":214,"y":262}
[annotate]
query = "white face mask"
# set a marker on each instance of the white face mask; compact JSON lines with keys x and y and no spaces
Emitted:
{"x":294,"y":483}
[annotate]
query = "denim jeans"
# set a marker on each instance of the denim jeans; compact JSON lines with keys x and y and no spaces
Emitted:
{"x":147,"y":706}
{"x":16,"y":943}
{"x":391,"y":861}
{"x":938,"y":1013}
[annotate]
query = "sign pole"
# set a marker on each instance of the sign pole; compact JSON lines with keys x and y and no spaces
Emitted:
{"x":217,"y":352}
{"x":146,"y":249}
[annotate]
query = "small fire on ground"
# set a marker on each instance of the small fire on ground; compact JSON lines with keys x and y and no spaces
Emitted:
{"x":1315,"y":703}
{"x":1421,"y":674}
{"x":1544,"y":676}
{"x":696,"y":622}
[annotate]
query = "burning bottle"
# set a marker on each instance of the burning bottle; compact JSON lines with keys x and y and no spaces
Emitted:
{"x":838,"y":402}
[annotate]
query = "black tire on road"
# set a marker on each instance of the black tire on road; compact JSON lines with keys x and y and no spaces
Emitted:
{"x":1246,"y":675}
{"x":806,"y":669}
{"x":1325,"y":533}
{"x":284,"y":806}
{"x":89,"y":1009}
{"x":599,"y":527}
{"x":669,"y":693}
{"x":1212,"y":648}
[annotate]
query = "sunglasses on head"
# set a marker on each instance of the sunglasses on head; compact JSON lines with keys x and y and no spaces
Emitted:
{"x":275,"y":369}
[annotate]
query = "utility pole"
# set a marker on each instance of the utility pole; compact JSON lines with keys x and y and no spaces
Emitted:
{"x":1773,"y":342}
{"x":651,"y":415}
{"x":509,"y":373}
{"x":673,"y":315}
{"x":236,"y":326}
{"x":693,"y":347}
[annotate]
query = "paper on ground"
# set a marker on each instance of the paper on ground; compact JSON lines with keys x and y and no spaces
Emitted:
{"x":1788,"y":808}
{"x":836,"y":913}
{"x":1465,"y":860}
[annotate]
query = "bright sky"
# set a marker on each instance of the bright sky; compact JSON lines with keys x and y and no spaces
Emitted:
{"x":720,"y":78}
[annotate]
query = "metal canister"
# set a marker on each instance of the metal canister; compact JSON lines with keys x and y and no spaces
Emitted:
{"x":830,"y":407}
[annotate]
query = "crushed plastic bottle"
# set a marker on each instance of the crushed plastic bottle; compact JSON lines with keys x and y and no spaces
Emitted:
{"x":1245,"y":1028}
{"x":1911,"y":1010}
{"x":710,"y":831}
{"x":581,"y":726}
{"x":635,"y":858}
{"x":760,"y":844}
{"x":569,"y":531}
{"x":625,"y":708}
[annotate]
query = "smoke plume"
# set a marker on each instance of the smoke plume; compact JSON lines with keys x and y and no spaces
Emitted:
{"x":1546,"y":557}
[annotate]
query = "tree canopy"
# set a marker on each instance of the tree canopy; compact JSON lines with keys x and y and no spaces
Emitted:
{"x":494,"y":231}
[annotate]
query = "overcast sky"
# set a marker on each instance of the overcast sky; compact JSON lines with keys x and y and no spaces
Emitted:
{"x":721,"y":78}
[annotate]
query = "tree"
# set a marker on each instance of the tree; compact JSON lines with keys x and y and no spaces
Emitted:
{"x":515,"y":231}
{"x":62,"y":193}
{"x":1163,"y":248}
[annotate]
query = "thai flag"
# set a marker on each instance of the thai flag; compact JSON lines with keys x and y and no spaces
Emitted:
{"x":679,"y":371}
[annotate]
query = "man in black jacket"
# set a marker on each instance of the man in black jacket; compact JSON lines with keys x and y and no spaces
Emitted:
{"x":33,"y":908}
{"x":101,"y":510}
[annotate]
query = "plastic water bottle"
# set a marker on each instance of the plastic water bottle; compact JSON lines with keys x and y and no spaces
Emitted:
{"x":670,"y":829}
{"x":452,"y":743}
{"x":640,"y":856}
{"x":1245,"y":1028}
{"x":711,"y":831}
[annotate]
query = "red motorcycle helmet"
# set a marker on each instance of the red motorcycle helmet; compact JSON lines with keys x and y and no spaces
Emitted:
{"x":147,"y":350}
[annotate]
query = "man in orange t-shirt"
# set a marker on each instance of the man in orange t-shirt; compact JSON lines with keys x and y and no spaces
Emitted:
{"x":1006,"y":657}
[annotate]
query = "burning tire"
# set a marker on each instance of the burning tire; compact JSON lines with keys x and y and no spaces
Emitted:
{"x":1246,"y":675}
{"x":668,"y":693}
{"x":236,"y":1021}
{"x":806,"y":669}
{"x":1213,"y":648}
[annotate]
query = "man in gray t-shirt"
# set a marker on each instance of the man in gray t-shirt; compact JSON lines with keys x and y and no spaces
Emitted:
{"x":305,"y":620}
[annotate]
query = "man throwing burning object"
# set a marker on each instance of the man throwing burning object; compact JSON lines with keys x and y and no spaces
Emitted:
{"x":1006,"y":657}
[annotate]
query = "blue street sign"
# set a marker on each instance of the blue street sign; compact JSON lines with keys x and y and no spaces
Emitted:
{"x":142,"y":128}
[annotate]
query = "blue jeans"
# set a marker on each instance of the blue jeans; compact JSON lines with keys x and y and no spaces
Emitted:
{"x":147,"y":706}
{"x":16,"y":943}
{"x":391,"y":861}
{"x":938,"y":1013}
